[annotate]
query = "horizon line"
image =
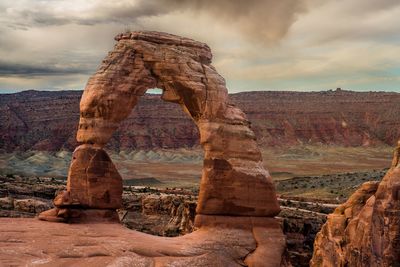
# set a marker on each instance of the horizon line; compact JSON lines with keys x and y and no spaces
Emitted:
{"x":9,"y":92}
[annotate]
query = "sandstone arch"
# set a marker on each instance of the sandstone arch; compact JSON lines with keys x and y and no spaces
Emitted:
{"x":234,"y":181}
{"x":236,"y":192}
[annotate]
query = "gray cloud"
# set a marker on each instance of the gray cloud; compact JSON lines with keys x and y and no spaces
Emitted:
{"x":8,"y":69}
{"x":261,"y":20}
{"x":349,"y":21}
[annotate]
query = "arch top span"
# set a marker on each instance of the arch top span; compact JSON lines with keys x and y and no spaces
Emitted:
{"x":181,"y":67}
{"x":202,"y":49}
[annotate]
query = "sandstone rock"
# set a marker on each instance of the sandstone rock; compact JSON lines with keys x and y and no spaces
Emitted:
{"x":159,"y":214}
{"x":234,"y":180}
{"x":30,"y":205}
{"x":74,"y":215}
{"x":300,"y":227}
{"x":93,"y":181}
{"x":302,"y":218}
{"x":52,"y":215}
{"x":111,"y":244}
{"x":365,"y":231}
{"x":6,"y":203}
{"x":182,"y":218}
{"x":237,"y":194}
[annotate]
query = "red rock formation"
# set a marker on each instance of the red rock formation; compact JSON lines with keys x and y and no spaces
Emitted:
{"x":93,"y":183}
{"x":236,"y":192}
{"x":233,"y":168}
{"x":106,"y":244}
{"x":365,"y":231}
{"x":48,"y":120}
{"x":94,"y":165}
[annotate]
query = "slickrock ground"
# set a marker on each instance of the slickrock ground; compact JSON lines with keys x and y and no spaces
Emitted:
{"x":33,"y":242}
{"x":164,"y":212}
{"x":154,"y":211}
{"x":171,"y":212}
{"x":38,"y":120}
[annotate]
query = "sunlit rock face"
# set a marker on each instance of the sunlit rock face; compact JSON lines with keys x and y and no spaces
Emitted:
{"x":234,"y":181}
{"x":364,"y":231}
{"x":237,"y":197}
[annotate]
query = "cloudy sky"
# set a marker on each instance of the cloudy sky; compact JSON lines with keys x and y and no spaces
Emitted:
{"x":302,"y":45}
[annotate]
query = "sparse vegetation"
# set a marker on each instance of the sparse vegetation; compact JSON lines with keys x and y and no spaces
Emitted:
{"x":327,"y":186}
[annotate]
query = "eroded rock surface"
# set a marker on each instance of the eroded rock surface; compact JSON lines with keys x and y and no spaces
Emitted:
{"x":364,"y":231}
{"x":26,"y":242}
{"x":170,"y":212}
{"x":93,"y":180}
{"x":93,"y":183}
{"x":158,"y":213}
{"x":234,"y":180}
{"x":237,"y":197}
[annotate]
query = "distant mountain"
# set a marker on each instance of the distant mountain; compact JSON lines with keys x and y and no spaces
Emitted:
{"x":42,"y":120}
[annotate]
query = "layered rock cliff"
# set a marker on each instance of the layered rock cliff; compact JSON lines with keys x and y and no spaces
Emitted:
{"x":38,"y":120}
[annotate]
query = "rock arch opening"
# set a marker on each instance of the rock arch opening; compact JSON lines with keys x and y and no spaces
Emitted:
{"x":236,"y":196}
{"x":234,"y":182}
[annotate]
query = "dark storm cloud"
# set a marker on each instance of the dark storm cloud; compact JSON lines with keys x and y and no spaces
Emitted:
{"x":261,"y":20}
{"x":8,"y":69}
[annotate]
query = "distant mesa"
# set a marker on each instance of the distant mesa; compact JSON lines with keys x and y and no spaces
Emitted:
{"x":48,"y":120}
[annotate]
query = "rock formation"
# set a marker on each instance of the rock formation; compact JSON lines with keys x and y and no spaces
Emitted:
{"x":93,"y":182}
{"x":236,"y":192}
{"x":105,"y":244}
{"x":364,"y":231}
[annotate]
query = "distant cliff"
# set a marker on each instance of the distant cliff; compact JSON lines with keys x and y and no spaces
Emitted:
{"x":39,"y":120}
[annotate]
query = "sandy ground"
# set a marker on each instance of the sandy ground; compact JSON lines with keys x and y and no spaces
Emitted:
{"x":320,"y":160}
